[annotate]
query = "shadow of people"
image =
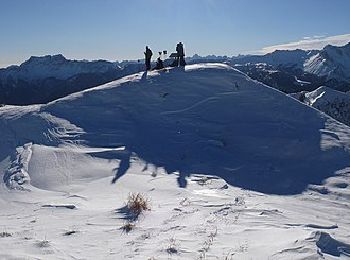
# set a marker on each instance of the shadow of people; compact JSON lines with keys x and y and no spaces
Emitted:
{"x":144,"y":76}
{"x":123,"y":166}
{"x":181,"y":179}
{"x":275,"y":149}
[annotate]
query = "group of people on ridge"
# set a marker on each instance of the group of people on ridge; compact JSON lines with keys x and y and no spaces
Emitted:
{"x":178,"y":61}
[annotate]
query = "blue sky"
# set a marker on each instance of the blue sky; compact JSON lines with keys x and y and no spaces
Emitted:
{"x":119,"y":29}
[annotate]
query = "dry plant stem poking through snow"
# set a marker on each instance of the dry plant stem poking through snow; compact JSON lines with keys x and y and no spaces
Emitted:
{"x":127,"y":227}
{"x":137,"y":203}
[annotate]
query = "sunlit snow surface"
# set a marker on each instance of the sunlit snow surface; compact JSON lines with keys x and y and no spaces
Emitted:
{"x":232,"y":169}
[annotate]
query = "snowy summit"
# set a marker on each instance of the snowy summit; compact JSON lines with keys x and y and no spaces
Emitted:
{"x":215,"y":152}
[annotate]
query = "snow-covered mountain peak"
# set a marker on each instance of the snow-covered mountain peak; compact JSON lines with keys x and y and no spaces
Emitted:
{"x":329,"y":66}
{"x":47,"y":59}
{"x":54,"y":76}
{"x":332,"y":62}
{"x":55,"y":66}
{"x":203,"y":114}
{"x":338,"y":49}
{"x":292,"y":52}
{"x":197,"y":144}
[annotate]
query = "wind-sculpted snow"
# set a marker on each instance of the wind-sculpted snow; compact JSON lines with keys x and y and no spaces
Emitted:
{"x":17,"y":175}
{"x":195,"y":145}
{"x":208,"y":119}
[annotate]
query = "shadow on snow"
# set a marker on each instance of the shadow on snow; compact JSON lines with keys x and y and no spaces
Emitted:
{"x":241,"y":138}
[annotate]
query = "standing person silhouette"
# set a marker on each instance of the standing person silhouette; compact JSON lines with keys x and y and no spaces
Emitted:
{"x":148,"y":55}
{"x":180,"y":54}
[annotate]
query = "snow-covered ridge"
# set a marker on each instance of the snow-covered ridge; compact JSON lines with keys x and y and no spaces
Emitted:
{"x":334,"y":103}
{"x":212,"y":151}
{"x":186,"y":112}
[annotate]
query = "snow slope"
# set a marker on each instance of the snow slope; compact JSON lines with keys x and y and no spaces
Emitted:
{"x":214,"y":151}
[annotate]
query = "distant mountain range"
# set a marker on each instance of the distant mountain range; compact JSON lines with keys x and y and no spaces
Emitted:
{"x":43,"y":79}
{"x":297,"y":70}
{"x":284,"y":58}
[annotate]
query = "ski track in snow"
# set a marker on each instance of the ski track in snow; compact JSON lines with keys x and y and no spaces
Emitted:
{"x":189,"y":108}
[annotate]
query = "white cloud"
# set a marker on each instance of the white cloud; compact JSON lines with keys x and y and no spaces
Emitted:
{"x":316,"y":42}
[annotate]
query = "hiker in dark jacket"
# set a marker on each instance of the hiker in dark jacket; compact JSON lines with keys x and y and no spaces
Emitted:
{"x":159,"y":64}
{"x":180,"y":54}
{"x":148,"y":55}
